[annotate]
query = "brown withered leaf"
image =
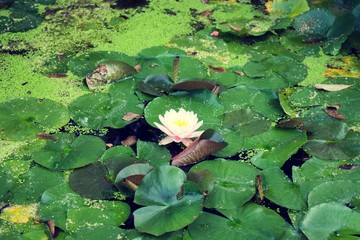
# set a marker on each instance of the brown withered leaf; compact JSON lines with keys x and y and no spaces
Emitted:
{"x":217,"y":69}
{"x":349,"y":166}
{"x":291,"y":123}
{"x":332,"y":87}
{"x":131,"y":116}
{"x":51,"y":225}
{"x":45,"y":136}
{"x":259,"y":187}
{"x":332,"y":111}
{"x":206,"y":144}
{"x":206,"y":12}
{"x":194,"y":85}
{"x":56,"y":75}
{"x":235,"y":28}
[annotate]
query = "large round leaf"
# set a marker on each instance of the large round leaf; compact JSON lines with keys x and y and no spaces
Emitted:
{"x":330,"y":220}
{"x":275,"y":146}
{"x":264,"y":102}
{"x":280,"y":190}
{"x":290,"y":8}
{"x":23,"y":118}
{"x":153,"y":153}
{"x":68,"y":152}
{"x":234,"y":183}
{"x":341,"y":191}
{"x":194,"y":101}
{"x":34,"y":183}
{"x":106,"y":110}
{"x":167,"y":208}
{"x":103,"y":213}
{"x":55,"y":202}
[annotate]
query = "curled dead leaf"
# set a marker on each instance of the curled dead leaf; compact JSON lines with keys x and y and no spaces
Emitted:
{"x":259,"y":187}
{"x":217,"y":69}
{"x":56,"y":75}
{"x":332,"y":112}
{"x":129,"y":141}
{"x":45,"y":136}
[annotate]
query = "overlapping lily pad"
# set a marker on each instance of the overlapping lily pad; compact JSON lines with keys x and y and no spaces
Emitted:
{"x":167,"y":207}
{"x":23,"y":118}
{"x":234,"y":183}
{"x":68,"y":152}
{"x":106,"y":109}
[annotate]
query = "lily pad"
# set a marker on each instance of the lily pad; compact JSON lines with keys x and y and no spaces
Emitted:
{"x":314,"y":24}
{"x":68,"y":152}
{"x":275,"y":146}
{"x":103,"y":213}
{"x":264,"y":102}
{"x":98,"y":232}
{"x":276,"y":71}
{"x":153,"y":153}
{"x":330,"y":220}
{"x":284,"y":8}
{"x":55,"y":202}
{"x":23,"y":118}
{"x":35,"y":182}
{"x":280,"y":190}
{"x":231,"y":189}
{"x":166,"y":207}
{"x":341,"y":191}
{"x":106,"y":109}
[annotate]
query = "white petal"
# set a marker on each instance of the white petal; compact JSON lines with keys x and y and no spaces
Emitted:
{"x":164,"y":129}
{"x":166,"y":140}
{"x":195,"y":134}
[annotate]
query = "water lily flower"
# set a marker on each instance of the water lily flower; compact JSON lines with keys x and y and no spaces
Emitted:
{"x":179,"y":126}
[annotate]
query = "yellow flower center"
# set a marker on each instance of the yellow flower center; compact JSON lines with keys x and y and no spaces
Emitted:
{"x":181,"y":122}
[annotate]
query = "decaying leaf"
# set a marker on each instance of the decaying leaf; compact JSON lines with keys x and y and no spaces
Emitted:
{"x":129,"y":141}
{"x":206,"y":144}
{"x":332,"y":87}
{"x":259,"y":187}
{"x":332,"y":112}
{"x":194,"y":85}
{"x":217,"y":69}
{"x":56,"y":75}
{"x":131,"y":116}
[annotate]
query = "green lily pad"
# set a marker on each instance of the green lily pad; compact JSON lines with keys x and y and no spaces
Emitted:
{"x":280,"y":190}
{"x":166,"y":207}
{"x":19,"y":21}
{"x":231,"y":189}
{"x":160,"y":60}
{"x":250,"y":222}
{"x":103,"y":213}
{"x":98,"y":232}
{"x":153,"y":153}
{"x":156,"y":84}
{"x":134,"y":174}
{"x":93,"y":182}
{"x":118,"y":151}
{"x":26,"y":231}
{"x":193,"y":101}
{"x":55,"y":203}
{"x":23,"y":118}
{"x":330,"y":220}
{"x":341,"y":191}
{"x":106,"y":110}
{"x":262,"y":101}
{"x":68,"y":152}
{"x":275,"y":146}
{"x":247,"y":122}
{"x":314,"y":24}
{"x":315,"y":172}
{"x":35,"y":182}
{"x":287,"y":8}
{"x":276,"y":71}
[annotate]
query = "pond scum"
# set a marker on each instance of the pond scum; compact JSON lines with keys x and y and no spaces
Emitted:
{"x":267,"y":145}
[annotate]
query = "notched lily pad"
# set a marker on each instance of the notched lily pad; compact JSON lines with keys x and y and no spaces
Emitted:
{"x":206,"y":144}
{"x":155,"y":84}
{"x":68,"y":152}
{"x":24,"y":118}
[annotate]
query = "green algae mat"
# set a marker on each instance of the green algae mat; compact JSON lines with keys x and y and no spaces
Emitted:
{"x":179,"y":119}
